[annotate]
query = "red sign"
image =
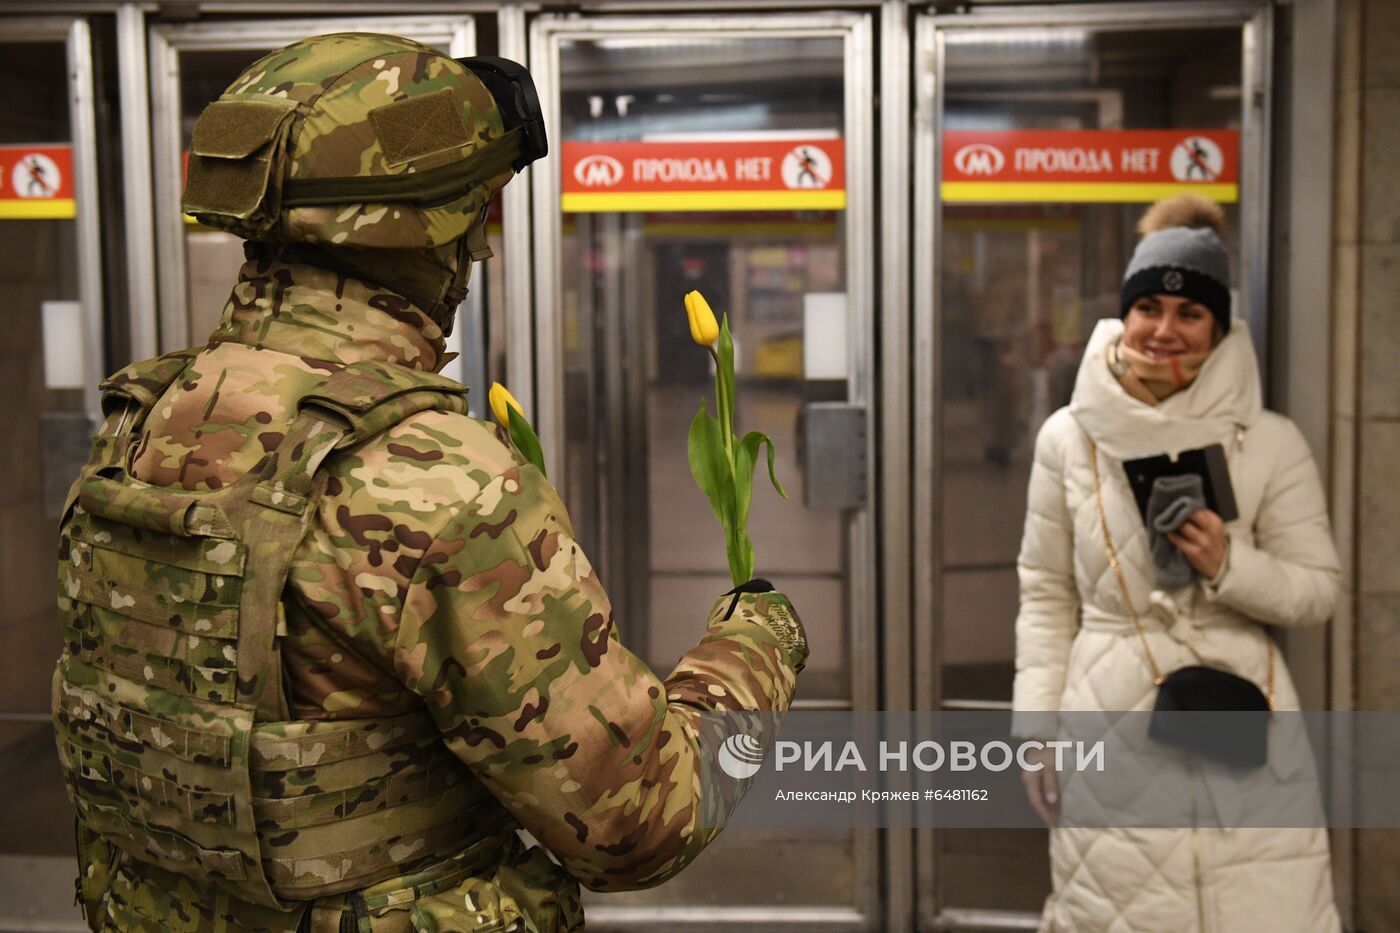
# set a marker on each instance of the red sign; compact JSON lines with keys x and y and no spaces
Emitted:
{"x":1089,"y":165}
{"x":36,"y":181}
{"x":758,"y":174}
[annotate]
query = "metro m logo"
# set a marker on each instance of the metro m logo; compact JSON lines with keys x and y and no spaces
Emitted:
{"x":597,"y":171}
{"x":979,"y":159}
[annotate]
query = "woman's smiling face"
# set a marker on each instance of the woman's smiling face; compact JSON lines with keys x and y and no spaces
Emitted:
{"x":1165,"y":326}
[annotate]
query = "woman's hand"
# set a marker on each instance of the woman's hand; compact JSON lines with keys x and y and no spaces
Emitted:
{"x":1202,"y":539}
{"x":1043,"y":786}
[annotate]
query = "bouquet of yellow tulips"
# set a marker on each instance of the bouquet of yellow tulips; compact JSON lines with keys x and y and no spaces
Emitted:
{"x":512,"y":417}
{"x":722,"y":463}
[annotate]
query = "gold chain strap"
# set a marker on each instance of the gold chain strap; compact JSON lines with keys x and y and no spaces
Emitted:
{"x":1269,"y":694}
{"x":1157,"y":675}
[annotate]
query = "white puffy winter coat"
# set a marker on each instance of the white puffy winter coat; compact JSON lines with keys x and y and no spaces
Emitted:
{"x":1077,"y":649}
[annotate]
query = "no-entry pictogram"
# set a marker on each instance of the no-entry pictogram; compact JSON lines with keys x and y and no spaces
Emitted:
{"x":807,"y":167}
{"x":1197,"y":158}
{"x":36,"y":181}
{"x":36,"y":176}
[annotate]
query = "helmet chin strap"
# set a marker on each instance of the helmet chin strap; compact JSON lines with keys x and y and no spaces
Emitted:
{"x":445,"y":311}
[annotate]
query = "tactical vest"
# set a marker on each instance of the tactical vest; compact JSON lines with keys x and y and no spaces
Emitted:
{"x":169,"y":700}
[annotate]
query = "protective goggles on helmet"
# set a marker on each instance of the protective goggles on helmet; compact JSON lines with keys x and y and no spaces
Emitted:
{"x":514,"y":92}
{"x":523,"y":142}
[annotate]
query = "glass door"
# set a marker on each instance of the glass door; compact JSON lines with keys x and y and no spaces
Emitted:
{"x":50,"y":362}
{"x":191,"y":64}
{"x":1046,"y":137}
{"x":730,"y":156}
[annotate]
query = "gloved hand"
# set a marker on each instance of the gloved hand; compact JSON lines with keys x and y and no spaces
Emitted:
{"x":776,"y":614}
{"x":756,"y":585}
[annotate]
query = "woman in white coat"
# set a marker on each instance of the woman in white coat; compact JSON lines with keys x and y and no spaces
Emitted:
{"x":1173,"y":374}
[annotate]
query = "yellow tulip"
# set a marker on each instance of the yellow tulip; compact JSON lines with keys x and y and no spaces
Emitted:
{"x":499,"y":398}
{"x":704,"y":329}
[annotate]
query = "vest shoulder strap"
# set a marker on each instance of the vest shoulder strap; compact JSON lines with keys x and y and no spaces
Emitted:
{"x":128,"y":395}
{"x":145,"y":381}
{"x":372,"y":397}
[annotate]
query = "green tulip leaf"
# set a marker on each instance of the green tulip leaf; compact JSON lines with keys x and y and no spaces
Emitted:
{"x":525,"y":439}
{"x":709,"y":466}
{"x":750,"y":445}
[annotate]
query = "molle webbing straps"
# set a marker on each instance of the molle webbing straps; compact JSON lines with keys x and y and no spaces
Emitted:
{"x":352,"y":800}
{"x":147,"y":697}
{"x":168,"y":700}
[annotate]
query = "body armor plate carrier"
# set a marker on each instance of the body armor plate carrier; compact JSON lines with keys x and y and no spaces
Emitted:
{"x":168,"y":699}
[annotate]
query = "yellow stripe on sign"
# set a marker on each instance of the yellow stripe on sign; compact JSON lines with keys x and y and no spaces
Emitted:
{"x":1024,"y":191}
{"x":631,"y":202}
{"x":955,"y":222}
{"x":38,"y":209}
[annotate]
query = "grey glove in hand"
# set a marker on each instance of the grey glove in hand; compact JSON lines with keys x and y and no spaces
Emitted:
{"x":1170,"y":504}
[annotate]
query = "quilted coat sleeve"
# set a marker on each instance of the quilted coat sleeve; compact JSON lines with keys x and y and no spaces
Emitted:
{"x":1049,"y":612}
{"x":1291,"y":574}
{"x":509,"y":638}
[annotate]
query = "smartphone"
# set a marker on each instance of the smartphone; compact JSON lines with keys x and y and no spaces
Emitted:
{"x":1206,"y":462}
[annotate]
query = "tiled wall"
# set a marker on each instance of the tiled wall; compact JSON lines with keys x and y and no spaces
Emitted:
{"x":1366,"y":398}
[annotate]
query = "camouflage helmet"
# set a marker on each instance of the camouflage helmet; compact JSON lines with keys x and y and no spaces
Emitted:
{"x":363,"y":141}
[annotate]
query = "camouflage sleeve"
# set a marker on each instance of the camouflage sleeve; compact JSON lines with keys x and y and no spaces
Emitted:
{"x":509,"y":638}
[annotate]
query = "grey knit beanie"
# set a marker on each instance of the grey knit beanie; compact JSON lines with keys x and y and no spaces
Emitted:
{"x":1186,"y":261}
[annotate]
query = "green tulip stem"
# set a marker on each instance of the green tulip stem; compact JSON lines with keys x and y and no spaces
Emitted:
{"x":726,"y":411}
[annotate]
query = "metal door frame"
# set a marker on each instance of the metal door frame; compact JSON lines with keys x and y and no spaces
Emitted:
{"x":167,"y":42}
{"x":76,"y":37}
{"x":1255,"y":19}
{"x":855,"y":29}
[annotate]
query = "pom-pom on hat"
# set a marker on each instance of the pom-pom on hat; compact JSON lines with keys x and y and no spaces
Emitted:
{"x":1181,"y":254}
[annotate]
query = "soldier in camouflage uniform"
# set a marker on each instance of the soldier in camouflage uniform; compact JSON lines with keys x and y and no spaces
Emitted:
{"x":433,"y":664}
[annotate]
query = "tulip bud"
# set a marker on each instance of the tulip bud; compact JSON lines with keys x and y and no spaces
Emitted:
{"x":704,"y":329}
{"x":499,"y":398}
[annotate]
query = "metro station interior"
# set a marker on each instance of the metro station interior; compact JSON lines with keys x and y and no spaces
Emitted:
{"x":943,"y":310}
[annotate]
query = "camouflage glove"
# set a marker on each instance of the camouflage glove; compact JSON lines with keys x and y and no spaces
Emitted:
{"x":772,"y":610}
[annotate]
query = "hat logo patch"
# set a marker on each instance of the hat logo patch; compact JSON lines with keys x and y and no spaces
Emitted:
{"x":1172,"y":280}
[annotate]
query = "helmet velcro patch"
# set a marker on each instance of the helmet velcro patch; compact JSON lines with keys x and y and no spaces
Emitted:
{"x":418,"y":126}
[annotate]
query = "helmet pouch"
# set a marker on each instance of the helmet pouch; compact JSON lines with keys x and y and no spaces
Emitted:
{"x":234,"y":173}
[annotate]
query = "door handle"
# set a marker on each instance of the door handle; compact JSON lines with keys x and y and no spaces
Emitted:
{"x":831,"y":448}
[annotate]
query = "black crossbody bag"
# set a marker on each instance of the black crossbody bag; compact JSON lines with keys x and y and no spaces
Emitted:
{"x":1236,"y":731}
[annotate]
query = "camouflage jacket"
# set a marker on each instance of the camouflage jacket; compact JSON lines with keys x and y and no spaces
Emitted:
{"x":441,"y":572}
